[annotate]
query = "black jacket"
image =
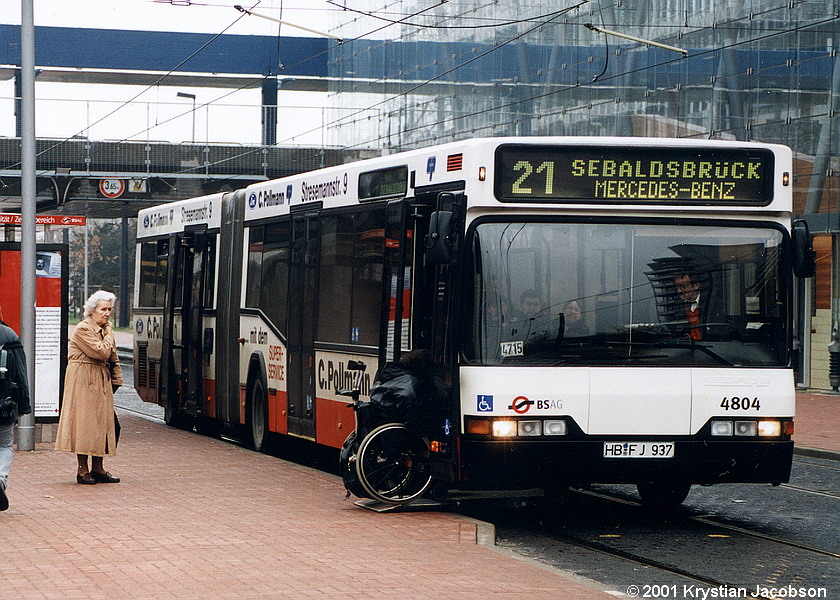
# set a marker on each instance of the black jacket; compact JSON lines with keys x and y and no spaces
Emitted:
{"x":401,"y":396}
{"x":16,"y":364}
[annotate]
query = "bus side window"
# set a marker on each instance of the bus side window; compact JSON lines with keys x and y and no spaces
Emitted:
{"x":368,"y":260}
{"x":335,"y":283}
{"x":254,"y":279}
{"x":275,"y":273}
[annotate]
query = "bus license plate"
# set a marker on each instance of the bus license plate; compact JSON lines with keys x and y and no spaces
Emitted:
{"x":638,"y":450}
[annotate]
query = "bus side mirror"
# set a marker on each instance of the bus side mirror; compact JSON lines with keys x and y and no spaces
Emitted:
{"x":804,"y":257}
{"x":440,"y":238}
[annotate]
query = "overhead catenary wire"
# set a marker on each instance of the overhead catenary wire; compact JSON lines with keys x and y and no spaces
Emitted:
{"x":508,"y":23}
{"x":286,"y":23}
{"x":160,"y":79}
{"x":146,"y":89}
{"x":251,"y":86}
{"x":258,"y":149}
{"x":601,"y":80}
{"x":564,"y":89}
{"x":499,"y":45}
{"x":404,"y":93}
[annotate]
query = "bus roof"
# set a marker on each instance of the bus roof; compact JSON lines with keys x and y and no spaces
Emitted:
{"x":468,"y":165}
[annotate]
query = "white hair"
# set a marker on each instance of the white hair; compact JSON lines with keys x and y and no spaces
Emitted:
{"x":97,"y":297}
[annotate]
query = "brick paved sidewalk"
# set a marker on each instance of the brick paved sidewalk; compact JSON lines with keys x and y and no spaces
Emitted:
{"x":817,"y":423}
{"x":200,"y":518}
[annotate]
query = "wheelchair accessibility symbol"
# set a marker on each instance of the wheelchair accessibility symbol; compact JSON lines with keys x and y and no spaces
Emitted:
{"x":484,"y":403}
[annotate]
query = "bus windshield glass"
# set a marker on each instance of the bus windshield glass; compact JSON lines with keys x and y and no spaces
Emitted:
{"x":584,"y":293}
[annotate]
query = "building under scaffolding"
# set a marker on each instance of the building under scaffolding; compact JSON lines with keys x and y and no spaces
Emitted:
{"x":760,"y":70}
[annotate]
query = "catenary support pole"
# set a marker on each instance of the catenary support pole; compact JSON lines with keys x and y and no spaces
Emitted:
{"x":26,"y":427}
{"x":124,"y":300}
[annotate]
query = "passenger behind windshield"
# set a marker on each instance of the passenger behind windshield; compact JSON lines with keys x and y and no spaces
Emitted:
{"x":572,"y":317}
{"x":533,"y":323}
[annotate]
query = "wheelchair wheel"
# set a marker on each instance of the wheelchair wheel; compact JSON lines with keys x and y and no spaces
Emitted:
{"x":393,"y":464}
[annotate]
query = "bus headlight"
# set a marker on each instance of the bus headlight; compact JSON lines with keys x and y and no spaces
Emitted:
{"x":746,"y":428}
{"x":504,"y":428}
{"x":555,"y":427}
{"x":769,"y":428}
{"x":720,"y":428}
{"x":529,"y":428}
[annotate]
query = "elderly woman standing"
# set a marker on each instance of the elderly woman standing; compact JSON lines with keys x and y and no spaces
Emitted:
{"x":87,"y":424}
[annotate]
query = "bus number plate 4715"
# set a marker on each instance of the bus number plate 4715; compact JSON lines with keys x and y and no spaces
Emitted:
{"x":638,"y":450}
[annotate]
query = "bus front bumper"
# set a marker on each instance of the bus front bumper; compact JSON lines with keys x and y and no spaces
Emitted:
{"x":518,"y":464}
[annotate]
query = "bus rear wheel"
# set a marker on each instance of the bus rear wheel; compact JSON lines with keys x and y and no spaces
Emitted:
{"x":258,"y":416}
{"x":177,"y":418}
{"x":662,"y":495}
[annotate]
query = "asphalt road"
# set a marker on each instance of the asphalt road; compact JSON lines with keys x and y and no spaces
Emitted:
{"x":751,"y":537}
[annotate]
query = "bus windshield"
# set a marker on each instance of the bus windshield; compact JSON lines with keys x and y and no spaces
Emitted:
{"x":584,"y":293}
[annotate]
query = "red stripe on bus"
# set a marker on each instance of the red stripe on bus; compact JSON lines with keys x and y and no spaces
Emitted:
{"x":333,"y":422}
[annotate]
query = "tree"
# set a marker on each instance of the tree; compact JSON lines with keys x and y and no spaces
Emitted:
{"x":103,"y":262}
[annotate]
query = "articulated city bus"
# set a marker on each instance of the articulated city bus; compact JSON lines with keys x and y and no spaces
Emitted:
{"x":600,"y":309}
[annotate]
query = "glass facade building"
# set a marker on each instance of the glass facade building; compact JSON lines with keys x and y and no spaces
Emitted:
{"x":418,"y":72}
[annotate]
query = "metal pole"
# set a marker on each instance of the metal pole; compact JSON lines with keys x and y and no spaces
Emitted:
{"x":123,"y":300}
{"x":26,"y":427}
{"x":85,"y":294}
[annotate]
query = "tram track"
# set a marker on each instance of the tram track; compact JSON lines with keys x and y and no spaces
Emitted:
{"x":711,"y":522}
{"x":810,"y":491}
{"x":609,"y":551}
{"x":819,"y":465}
{"x":634,"y":543}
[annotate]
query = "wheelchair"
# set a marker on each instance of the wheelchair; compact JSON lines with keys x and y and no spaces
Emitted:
{"x":388,"y":462}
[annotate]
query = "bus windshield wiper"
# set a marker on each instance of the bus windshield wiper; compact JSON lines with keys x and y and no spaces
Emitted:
{"x":693,"y":345}
{"x":689,"y":345}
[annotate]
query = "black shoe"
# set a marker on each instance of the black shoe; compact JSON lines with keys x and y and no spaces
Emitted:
{"x":86,"y":479}
{"x":4,"y":500}
{"x":104,"y":477}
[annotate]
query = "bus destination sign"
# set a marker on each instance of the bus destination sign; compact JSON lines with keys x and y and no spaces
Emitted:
{"x":634,"y":175}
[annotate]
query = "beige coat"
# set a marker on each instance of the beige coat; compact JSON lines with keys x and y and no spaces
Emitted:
{"x":86,"y":425}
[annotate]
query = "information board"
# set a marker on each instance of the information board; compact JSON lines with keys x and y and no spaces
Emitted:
{"x":51,"y":293}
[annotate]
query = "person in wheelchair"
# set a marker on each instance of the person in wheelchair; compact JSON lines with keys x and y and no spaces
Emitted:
{"x":408,"y":392}
{"x":386,"y":458}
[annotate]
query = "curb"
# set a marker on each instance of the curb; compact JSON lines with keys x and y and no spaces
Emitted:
{"x":485,"y":533}
{"x":816,"y":453}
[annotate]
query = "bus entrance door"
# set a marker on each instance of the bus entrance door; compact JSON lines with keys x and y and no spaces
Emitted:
{"x":183,"y":349}
{"x":302,"y":314}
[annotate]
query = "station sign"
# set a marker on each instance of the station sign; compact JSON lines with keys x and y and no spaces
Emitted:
{"x":62,"y":220}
